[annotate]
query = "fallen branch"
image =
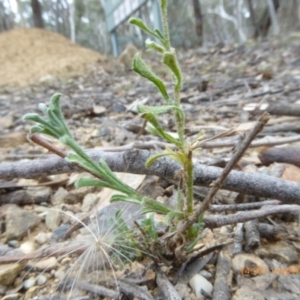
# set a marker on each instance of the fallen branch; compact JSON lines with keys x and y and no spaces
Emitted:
{"x":214,"y":221}
{"x":133,"y":161}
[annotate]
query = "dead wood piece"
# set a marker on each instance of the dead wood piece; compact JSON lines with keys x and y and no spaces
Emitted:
{"x":92,"y":288}
{"x":133,"y":161}
{"x":165,"y":286}
{"x":267,"y":141}
{"x":221,"y":284}
{"x":57,"y":250}
{"x":282,"y":109}
{"x":22,"y":197}
{"x":134,"y":291}
{"x":219,"y":220}
{"x":252,"y":235}
{"x":290,"y":155}
{"x":238,"y":239}
{"x":291,"y":126}
{"x":242,"y":206}
{"x":269,"y":231}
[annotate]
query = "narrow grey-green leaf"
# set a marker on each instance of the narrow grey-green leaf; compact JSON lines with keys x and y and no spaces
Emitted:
{"x":169,"y":59}
{"x":151,"y":45}
{"x":153,"y":158}
{"x":124,"y":198}
{"x":157,"y":110}
{"x":140,"y":67}
{"x":85,"y":181}
{"x":140,"y":23}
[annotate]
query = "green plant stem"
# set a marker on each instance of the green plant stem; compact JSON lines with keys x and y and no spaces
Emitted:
{"x":189,"y":184}
{"x":180,"y":130}
{"x":216,"y":185}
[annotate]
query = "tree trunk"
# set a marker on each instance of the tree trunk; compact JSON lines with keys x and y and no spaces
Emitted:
{"x":198,"y":20}
{"x":37,"y":14}
{"x":72,"y":21}
{"x":252,"y":18}
{"x":20,"y":12}
{"x":6,"y":19}
{"x":266,"y":20}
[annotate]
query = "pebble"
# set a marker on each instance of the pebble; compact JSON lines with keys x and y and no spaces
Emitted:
{"x":250,"y":264}
{"x":206,"y":274}
{"x":89,"y":201}
{"x":60,"y":232}
{"x":59,"y":196}
{"x":9,"y":272}
{"x":18,"y":221}
{"x":28,"y":247}
{"x":41,"y":279}
{"x":59,"y":274}
{"x":198,"y":283}
{"x":53,"y":219}
{"x":46,"y":264}
{"x":13,"y":244}
{"x":41,"y":238}
{"x":281,"y":251}
{"x":27,"y":284}
{"x":118,"y":108}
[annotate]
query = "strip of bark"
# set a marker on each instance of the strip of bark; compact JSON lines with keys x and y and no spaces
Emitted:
{"x":238,"y":238}
{"x":242,"y":206}
{"x":221,"y":287}
{"x":243,"y":216}
{"x":252,"y":235}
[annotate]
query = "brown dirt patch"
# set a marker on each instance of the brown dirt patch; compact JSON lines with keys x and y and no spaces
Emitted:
{"x":27,"y":55}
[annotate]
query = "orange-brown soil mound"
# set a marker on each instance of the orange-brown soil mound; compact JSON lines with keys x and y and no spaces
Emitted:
{"x":27,"y":55}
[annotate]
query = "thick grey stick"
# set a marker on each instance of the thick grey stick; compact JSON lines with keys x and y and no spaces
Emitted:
{"x":133,"y":161}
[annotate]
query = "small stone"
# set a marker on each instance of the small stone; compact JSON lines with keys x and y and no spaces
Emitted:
{"x":41,"y":279}
{"x":13,"y":244}
{"x":249,"y":264}
{"x":29,"y":283}
{"x":206,"y":274}
{"x":18,"y":221}
{"x":118,"y":108}
{"x":67,"y":217}
{"x":280,"y":251}
{"x":53,"y":219}
{"x":89,"y":202}
{"x":59,"y":196}
{"x":7,"y":121}
{"x":9,"y":272}
{"x":41,"y":238}
{"x":39,"y":194}
{"x":246,"y":293}
{"x":104,"y":131}
{"x":46,"y":264}
{"x":183,"y":290}
{"x":59,"y":274}
{"x":99,"y":110}
{"x":60,"y":232}
{"x":27,"y":247}
{"x":198,"y":283}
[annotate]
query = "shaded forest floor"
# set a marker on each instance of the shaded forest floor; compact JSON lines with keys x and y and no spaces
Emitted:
{"x":223,"y":88}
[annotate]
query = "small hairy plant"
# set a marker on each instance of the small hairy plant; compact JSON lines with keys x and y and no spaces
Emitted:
{"x":163,"y":246}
